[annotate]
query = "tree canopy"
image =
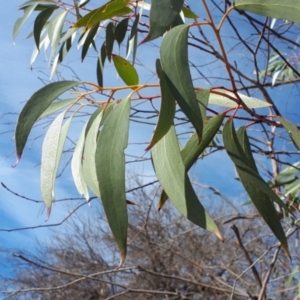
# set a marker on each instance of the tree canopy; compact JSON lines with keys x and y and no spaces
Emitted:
{"x":200,"y":109}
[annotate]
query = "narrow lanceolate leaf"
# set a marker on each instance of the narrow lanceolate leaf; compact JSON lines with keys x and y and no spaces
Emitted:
{"x":188,"y":13}
{"x":34,"y":108}
{"x":20,"y":21}
{"x":292,"y":130}
{"x":107,"y":11}
{"x":56,"y":106}
{"x":286,"y":10}
{"x":203,"y":98}
{"x":76,"y":166}
{"x":228,"y":99}
{"x":162,"y":15}
{"x":172,"y":175}
{"x":260,"y":193}
{"x":133,"y":38}
{"x":109,"y":39}
{"x":88,"y":160}
{"x":39,"y":23}
{"x":175,"y":63}
{"x":110,"y":166}
{"x":167,"y":108}
{"x":193,"y":149}
{"x":121,"y":30}
{"x":100,"y":65}
{"x":51,"y":153}
{"x":89,"y":40}
{"x":126,"y":70}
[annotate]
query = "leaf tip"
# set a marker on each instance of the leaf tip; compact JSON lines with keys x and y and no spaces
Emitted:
{"x":17,"y":161}
{"x":122,"y":259}
{"x":48,"y":213}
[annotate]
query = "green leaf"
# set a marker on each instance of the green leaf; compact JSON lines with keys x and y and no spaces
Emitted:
{"x":121,"y":31}
{"x":56,"y":106}
{"x":162,"y":15}
{"x":89,"y":40}
{"x":193,"y":149}
{"x":109,"y":10}
{"x":40,"y":22}
{"x":100,"y":65}
{"x":292,"y":130}
{"x":221,"y":100}
{"x":175,"y":63}
{"x":171,"y":172}
{"x":109,"y":39}
{"x":203,"y":98}
{"x":167,"y":108}
{"x":110,"y":166}
{"x":20,"y":21}
{"x":260,"y":193}
{"x":278,"y":9}
{"x":76,"y":166}
{"x":35,"y":107}
{"x":126,"y":70}
{"x":51,"y":154}
{"x":188,"y":13}
{"x":133,"y":38}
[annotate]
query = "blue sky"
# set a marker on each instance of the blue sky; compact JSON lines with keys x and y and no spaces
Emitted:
{"x":18,"y":82}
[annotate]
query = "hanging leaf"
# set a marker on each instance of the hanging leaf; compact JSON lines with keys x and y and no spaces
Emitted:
{"x":260,"y":193}
{"x":109,"y":39}
{"x":56,"y":106}
{"x":175,"y":63}
{"x":167,"y":108}
{"x":34,"y":108}
{"x":163,"y":13}
{"x":203,"y":98}
{"x":100,"y":65}
{"x":107,"y":11}
{"x":188,"y":13}
{"x":39,"y":23}
{"x":121,"y":31}
{"x":89,"y":40}
{"x":133,"y":38}
{"x":172,"y":175}
{"x":126,"y":70}
{"x":292,"y":130}
{"x":286,"y":10}
{"x":193,"y":149}
{"x":110,"y":166}
{"x":76,"y":166}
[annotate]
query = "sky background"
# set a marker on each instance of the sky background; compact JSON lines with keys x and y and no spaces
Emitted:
{"x":17,"y":83}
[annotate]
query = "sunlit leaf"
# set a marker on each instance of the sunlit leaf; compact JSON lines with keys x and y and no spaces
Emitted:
{"x":203,"y":98}
{"x":109,"y":39}
{"x":76,"y":166}
{"x":292,"y":130}
{"x":172,"y":175}
{"x":193,"y":149}
{"x":126,"y":70}
{"x":39,"y":23}
{"x":110,"y":166}
{"x":133,"y":38}
{"x":100,"y":65}
{"x":163,"y":13}
{"x":167,"y":108}
{"x":175,"y":63}
{"x":34,"y":108}
{"x":223,"y":100}
{"x":107,"y":11}
{"x":121,"y":31}
{"x":286,"y":10}
{"x":89,"y":39}
{"x":260,"y":193}
{"x":188,"y":13}
{"x":56,"y":106}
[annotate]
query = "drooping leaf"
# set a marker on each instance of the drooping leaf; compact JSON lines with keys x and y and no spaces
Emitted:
{"x":193,"y":149}
{"x":89,"y":40}
{"x":34,"y":108}
{"x":51,"y":154}
{"x":110,"y":166}
{"x":100,"y":65}
{"x":121,"y":30}
{"x":172,"y":175}
{"x":188,"y":13}
{"x":260,"y":193}
{"x":175,"y":63}
{"x":126,"y":70}
{"x":39,"y":23}
{"x":163,"y":13}
{"x":109,"y":39}
{"x":76,"y":166}
{"x":286,"y":10}
{"x":292,"y":130}
{"x":167,"y":108}
{"x":203,"y":98}
{"x":133,"y":38}
{"x":56,"y":106}
{"x":221,"y":100}
{"x":107,"y":11}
